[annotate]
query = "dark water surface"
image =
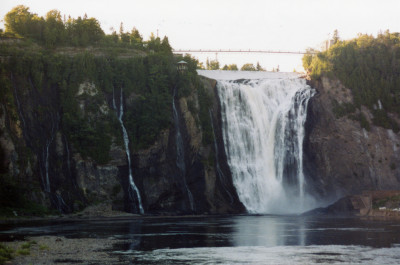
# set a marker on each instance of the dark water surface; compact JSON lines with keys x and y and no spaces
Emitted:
{"x":233,"y":239}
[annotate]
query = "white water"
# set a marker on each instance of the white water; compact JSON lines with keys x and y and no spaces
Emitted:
{"x":263,"y":120}
{"x":278,"y":255}
{"x":133,"y":190}
{"x":46,"y":154}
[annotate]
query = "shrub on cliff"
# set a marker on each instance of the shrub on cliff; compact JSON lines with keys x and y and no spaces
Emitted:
{"x":370,"y":67}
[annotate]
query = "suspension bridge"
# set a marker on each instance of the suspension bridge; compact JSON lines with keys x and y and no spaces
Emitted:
{"x":242,"y":51}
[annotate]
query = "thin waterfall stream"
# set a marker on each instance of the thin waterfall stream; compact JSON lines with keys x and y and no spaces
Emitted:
{"x":132,"y":190}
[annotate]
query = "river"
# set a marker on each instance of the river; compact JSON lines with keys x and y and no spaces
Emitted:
{"x":243,"y":239}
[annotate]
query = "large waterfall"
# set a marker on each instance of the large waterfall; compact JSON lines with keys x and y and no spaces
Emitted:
{"x":263,"y":116}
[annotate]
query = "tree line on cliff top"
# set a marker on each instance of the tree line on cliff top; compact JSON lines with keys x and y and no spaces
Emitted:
{"x":370,"y":67}
{"x":56,"y":30}
{"x":42,"y":66}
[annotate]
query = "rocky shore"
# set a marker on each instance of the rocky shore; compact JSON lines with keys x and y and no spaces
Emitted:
{"x":60,"y":250}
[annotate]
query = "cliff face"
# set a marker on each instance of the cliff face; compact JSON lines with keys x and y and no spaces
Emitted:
{"x":156,"y":168}
{"x":341,"y":157}
{"x":52,"y":170}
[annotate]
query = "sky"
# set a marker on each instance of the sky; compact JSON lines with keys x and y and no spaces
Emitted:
{"x":234,"y":24}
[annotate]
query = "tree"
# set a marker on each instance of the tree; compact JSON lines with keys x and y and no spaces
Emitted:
{"x":231,"y":67}
{"x":307,"y":59}
{"x":165,"y":46}
{"x":136,"y":38}
{"x":259,"y":68}
{"x":84,"y":31}
{"x":21,"y":22}
{"x":248,"y":67}
{"x":124,"y":37}
{"x":54,"y":30}
{"x":17,"y":20}
{"x":335,"y":37}
{"x":212,"y":65}
{"x":200,"y":65}
{"x":153,"y":44}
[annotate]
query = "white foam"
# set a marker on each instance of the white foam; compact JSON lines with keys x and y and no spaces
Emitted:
{"x":326,"y":254}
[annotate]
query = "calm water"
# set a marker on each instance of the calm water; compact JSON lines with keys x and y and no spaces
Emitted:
{"x":234,"y":239}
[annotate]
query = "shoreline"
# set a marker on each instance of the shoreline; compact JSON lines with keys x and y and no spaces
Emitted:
{"x":61,"y":250}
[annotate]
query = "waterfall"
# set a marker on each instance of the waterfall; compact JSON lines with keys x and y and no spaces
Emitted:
{"x":263,"y":116}
{"x":180,"y":151}
{"x":46,"y":152}
{"x":133,"y":191}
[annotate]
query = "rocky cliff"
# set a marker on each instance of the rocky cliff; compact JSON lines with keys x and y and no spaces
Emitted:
{"x":62,"y":146}
{"x":342,"y":157}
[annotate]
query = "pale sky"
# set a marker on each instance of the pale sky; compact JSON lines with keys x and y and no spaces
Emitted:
{"x":234,"y":24}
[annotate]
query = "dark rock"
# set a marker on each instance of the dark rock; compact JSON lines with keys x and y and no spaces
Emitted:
{"x":341,"y":208}
{"x":340,"y":157}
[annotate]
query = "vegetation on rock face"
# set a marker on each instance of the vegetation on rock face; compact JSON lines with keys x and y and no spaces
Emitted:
{"x":146,"y":81}
{"x":6,"y":253}
{"x":68,"y":74}
{"x":392,"y":202}
{"x":370,"y":67}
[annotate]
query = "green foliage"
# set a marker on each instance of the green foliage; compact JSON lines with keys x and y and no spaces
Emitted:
{"x":335,"y":37}
{"x":382,"y":119}
{"x":147,"y":82}
{"x":188,"y":83}
{"x":370,"y":67}
{"x":23,"y":251}
{"x":363,"y":121}
{"x":21,"y":22}
{"x":53,"y":31}
{"x":44,"y":247}
{"x":343,"y":109}
{"x":389,"y":202}
{"x":150,"y":111}
{"x":28,"y":244}
{"x":6,"y":253}
{"x":231,"y":67}
{"x":212,"y":65}
{"x":248,"y":67}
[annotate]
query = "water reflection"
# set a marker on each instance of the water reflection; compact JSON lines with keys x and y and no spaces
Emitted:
{"x":269,"y":231}
{"x":148,"y":234}
{"x":135,"y":229}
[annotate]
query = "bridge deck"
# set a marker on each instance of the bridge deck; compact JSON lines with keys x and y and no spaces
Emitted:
{"x":240,"y":51}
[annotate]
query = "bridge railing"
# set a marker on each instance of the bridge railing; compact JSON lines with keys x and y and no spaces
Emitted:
{"x":242,"y":51}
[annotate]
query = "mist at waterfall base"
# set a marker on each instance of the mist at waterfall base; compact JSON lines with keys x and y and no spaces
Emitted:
{"x":263,"y":117}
